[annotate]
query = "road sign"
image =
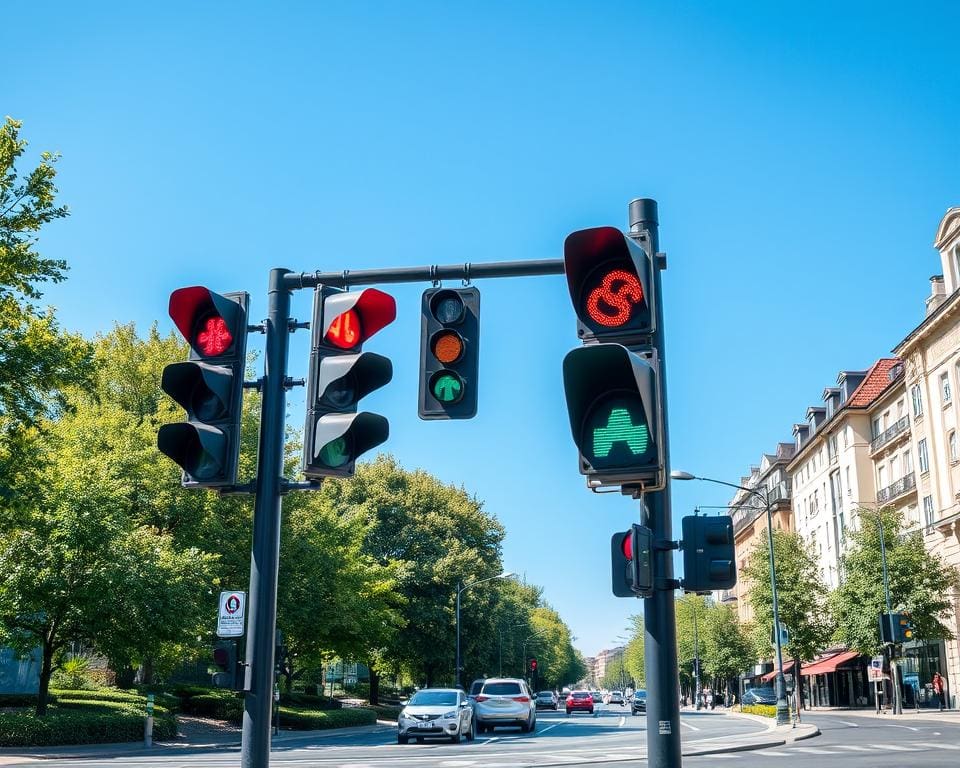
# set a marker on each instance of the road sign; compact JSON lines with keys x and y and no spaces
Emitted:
{"x":230,"y":619}
{"x":875,"y":671}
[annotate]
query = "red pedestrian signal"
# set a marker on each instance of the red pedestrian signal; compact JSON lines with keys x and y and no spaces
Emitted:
{"x":533,"y":665}
{"x":340,"y":375}
{"x":209,"y":386}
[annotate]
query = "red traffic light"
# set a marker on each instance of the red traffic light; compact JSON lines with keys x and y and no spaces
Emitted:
{"x":533,"y":665}
{"x":207,"y":320}
{"x":612,"y":302}
{"x":350,"y":318}
{"x":626,"y":546}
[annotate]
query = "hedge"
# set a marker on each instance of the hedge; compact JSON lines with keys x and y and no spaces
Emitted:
{"x":385,"y":712}
{"x":81,"y":723}
{"x":765,"y":710}
{"x":309,"y":720}
{"x":104,"y":694}
{"x":216,"y":705}
{"x":23,"y":699}
{"x":309,"y":701}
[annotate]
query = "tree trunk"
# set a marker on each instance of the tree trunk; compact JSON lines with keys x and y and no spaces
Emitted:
{"x":429,"y":673}
{"x":374,"y":686}
{"x":46,"y":669}
{"x":124,"y":676}
{"x":147,"y":677}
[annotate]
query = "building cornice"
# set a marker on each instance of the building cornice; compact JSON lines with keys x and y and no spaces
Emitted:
{"x":948,"y":230}
{"x":930,"y":323}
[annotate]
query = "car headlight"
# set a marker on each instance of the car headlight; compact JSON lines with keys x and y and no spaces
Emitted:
{"x":450,"y":715}
{"x":404,"y":715}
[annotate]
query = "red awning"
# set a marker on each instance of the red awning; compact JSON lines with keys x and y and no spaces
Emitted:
{"x":769,"y":676}
{"x":828,"y":663}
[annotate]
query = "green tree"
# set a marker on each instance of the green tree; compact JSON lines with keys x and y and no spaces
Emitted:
{"x":634,"y":656}
{"x":920,"y":583}
{"x":38,"y":360}
{"x":691,"y":625}
{"x":801,"y":597}
{"x":726,"y":647}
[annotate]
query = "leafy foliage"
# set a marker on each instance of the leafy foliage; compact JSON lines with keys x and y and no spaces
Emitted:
{"x":920,"y":583}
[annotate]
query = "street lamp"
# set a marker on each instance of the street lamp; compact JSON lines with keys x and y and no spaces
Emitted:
{"x":696,"y":658}
{"x":783,"y":711}
{"x":461,"y":588}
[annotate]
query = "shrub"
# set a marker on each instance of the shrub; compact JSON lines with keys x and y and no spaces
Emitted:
{"x":308,"y":720}
{"x":81,"y":723}
{"x":74,"y":674}
{"x":222,"y":707}
{"x":385,"y":712}
{"x":23,"y":699}
{"x":186,"y":691}
{"x":103,"y":694}
{"x":765,"y":710}
{"x":308,"y":701}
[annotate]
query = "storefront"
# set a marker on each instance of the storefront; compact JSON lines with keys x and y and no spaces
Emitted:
{"x":920,"y":660}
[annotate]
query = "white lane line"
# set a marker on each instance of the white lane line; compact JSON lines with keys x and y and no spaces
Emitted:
{"x":942,"y":745}
{"x":624,"y":720}
{"x":460,"y":763}
{"x":845,"y":722}
{"x":908,"y":727}
{"x":854,"y":747}
{"x":897,"y":747}
{"x":544,"y":730}
{"x":767,"y":752}
{"x":497,"y":738}
{"x":815,"y":751}
{"x":693,"y":727}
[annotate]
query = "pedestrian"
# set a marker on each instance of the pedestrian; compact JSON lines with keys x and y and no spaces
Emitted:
{"x":938,"y":689}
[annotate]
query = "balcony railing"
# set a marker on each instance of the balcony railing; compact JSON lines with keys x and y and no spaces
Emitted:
{"x":902,"y":486}
{"x":779,"y":492}
{"x":902,"y":425}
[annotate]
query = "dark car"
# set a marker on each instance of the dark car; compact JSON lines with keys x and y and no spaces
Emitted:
{"x":579,"y":701}
{"x":475,"y":688}
{"x":761,"y":695}
{"x":638,"y":702}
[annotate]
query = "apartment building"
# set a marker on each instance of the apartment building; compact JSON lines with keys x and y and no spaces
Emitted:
{"x":892,"y":451}
{"x":832,"y":472}
{"x":931,"y":355}
{"x":750,"y":518}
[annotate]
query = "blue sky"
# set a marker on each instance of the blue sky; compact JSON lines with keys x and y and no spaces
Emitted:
{"x":802,"y":158}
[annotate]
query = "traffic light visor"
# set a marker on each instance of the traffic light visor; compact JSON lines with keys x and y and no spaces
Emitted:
{"x":350,"y":318}
{"x":207,"y":320}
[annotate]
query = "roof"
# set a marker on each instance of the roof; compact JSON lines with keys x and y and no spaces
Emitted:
{"x":874,"y":385}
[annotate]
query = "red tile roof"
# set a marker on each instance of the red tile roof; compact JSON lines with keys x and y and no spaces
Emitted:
{"x":874,"y":384}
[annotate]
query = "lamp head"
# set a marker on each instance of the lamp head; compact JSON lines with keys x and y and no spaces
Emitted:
{"x":679,"y":474}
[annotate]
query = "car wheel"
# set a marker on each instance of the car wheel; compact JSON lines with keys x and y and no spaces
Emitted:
{"x":419,"y":739}
{"x":402,"y":739}
{"x":455,"y":739}
{"x":472,"y":733}
{"x":590,"y":710}
{"x":533,"y":725}
{"x":525,"y":726}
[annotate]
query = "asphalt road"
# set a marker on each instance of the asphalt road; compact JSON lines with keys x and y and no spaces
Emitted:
{"x":611,"y":734}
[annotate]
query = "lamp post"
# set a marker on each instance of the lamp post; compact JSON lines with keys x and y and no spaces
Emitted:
{"x":783,"y":710}
{"x":461,"y":588}
{"x":696,"y":658}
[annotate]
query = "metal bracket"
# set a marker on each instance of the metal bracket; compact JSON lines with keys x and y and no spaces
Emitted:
{"x":466,"y":274}
{"x":290,"y":383}
{"x":261,"y":328}
{"x":257,"y":384}
{"x":664,"y":545}
{"x":310,"y":485}
{"x":238,"y":490}
{"x":294,"y":325}
{"x":666,"y":584}
{"x":660,"y":261}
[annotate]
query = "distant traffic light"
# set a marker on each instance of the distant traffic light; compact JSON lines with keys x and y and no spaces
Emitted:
{"x":533,"y":665}
{"x":449,"y":353}
{"x":630,"y":556}
{"x":209,"y":386}
{"x":231,"y":674}
{"x":610,"y":279}
{"x":340,"y":374}
{"x":709,"y":553}
{"x":613,"y":404}
{"x":902,"y":628}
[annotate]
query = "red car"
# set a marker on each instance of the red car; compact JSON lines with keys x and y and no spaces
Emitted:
{"x":580,"y":701}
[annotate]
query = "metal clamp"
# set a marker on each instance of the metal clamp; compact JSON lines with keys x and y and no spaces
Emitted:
{"x":257,"y":384}
{"x":466,"y":274}
{"x":289,"y":383}
{"x":293,"y":325}
{"x":238,"y":490}
{"x":261,"y":328}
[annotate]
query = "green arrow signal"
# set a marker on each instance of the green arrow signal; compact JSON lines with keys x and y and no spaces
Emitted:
{"x":447,"y":388}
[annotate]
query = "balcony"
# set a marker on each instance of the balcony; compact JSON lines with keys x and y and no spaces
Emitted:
{"x":779,"y":493}
{"x":902,"y":425}
{"x":904,"y":485}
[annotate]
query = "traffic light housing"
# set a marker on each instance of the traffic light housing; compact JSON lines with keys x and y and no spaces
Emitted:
{"x":709,"y":553}
{"x":209,"y":386}
{"x":449,"y":353}
{"x":533,"y":666}
{"x":611,"y":281}
{"x":340,"y":374}
{"x":613,"y":404}
{"x":226,"y":658}
{"x":904,"y":628}
{"x":630,"y":556}
{"x":896,"y":628}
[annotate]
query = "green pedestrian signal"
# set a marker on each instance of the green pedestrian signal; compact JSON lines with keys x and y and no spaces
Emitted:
{"x":619,"y":430}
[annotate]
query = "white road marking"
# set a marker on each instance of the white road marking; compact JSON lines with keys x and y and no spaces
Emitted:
{"x":942,"y":745}
{"x":815,"y":751}
{"x":544,"y":730}
{"x":693,"y":727}
{"x":845,"y":722}
{"x":768,"y":752}
{"x":497,"y":738}
{"x":908,"y":727}
{"x":896,"y":747}
{"x":458,"y":763}
{"x":623,"y":719}
{"x":854,"y":747}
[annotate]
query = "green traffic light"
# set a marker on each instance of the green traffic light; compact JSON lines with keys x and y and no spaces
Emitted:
{"x":446,"y":386}
{"x":617,"y":433}
{"x":620,"y":429}
{"x":336,"y":453}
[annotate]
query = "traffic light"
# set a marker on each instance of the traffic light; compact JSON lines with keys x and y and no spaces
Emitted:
{"x":709,"y":554}
{"x":533,"y":666}
{"x":630,"y":554}
{"x":449,"y":353}
{"x":611,"y":281}
{"x":209,"y":386}
{"x":340,"y":374}
{"x":231,"y":674}
{"x":903,"y":627}
{"x":613,"y":405}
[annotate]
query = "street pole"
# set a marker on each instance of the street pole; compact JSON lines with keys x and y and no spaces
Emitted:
{"x":659,"y":611}
{"x":895,"y":678}
{"x":696,"y":658}
{"x":456,"y":675}
{"x":783,"y":709}
{"x":265,"y":554}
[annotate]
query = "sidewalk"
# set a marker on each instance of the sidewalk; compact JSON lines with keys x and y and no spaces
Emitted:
{"x":187,"y":742}
{"x":952,"y":715}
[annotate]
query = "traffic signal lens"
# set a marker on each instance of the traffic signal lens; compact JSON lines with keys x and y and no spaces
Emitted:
{"x":626,"y":546}
{"x":206,"y":404}
{"x":336,"y":453}
{"x":201,"y":464}
{"x":345,"y":331}
{"x":616,"y":432}
{"x":341,"y":393}
{"x":213,"y":337}
{"x":613,"y":297}
{"x":221,"y":657}
{"x":448,"y":307}
{"x":446,"y":386}
{"x":447,"y":347}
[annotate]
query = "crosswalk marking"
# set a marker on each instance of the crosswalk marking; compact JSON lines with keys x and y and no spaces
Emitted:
{"x":815,"y":751}
{"x":855,"y":747}
{"x":896,"y":747}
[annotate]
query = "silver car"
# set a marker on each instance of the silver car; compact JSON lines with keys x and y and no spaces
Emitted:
{"x":505,"y":701}
{"x":441,"y":712}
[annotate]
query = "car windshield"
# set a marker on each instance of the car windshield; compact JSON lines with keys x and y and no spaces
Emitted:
{"x":762,"y":691}
{"x":501,"y":689}
{"x":433,"y":698}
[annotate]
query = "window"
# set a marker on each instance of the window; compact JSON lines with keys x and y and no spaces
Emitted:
{"x":849,"y":487}
{"x":881,"y":477}
{"x":907,"y":460}
{"x":928,"y":511}
{"x":846,"y":436}
{"x":832,"y":448}
{"x":917,"y":398}
{"x":952,"y":445}
{"x":875,"y":428}
{"x":900,"y":409}
{"x":945,"y":395}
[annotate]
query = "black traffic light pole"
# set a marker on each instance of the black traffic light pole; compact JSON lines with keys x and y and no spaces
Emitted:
{"x":659,"y":612}
{"x":265,"y":555}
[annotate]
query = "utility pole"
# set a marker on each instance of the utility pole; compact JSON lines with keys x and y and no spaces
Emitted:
{"x":659,"y":610}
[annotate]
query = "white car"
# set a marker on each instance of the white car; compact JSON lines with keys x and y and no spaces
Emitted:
{"x":615,"y":697}
{"x":505,"y":701}
{"x":443,"y":712}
